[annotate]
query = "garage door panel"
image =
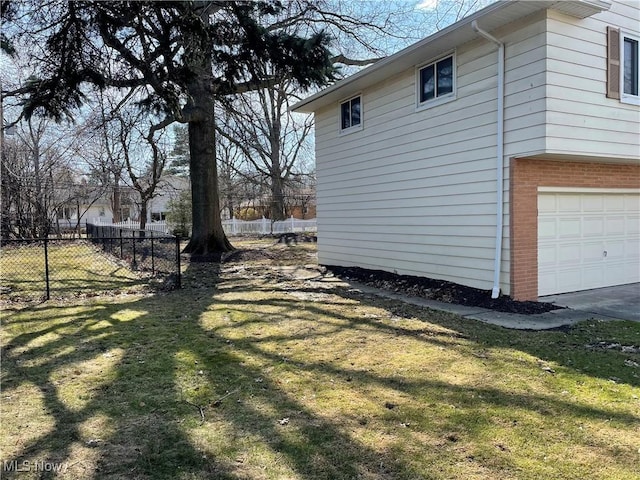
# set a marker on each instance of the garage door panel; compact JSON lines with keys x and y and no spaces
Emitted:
{"x":593,"y":226}
{"x":587,"y":240}
{"x":547,"y":204}
{"x":616,"y":250}
{"x":632,"y":203}
{"x":547,"y":256}
{"x":569,"y":279}
{"x":590,"y":252}
{"x":616,"y":269}
{"x":568,"y":254}
{"x":548,"y":228}
{"x":592,"y":277}
{"x":592,"y":203}
{"x":614,"y":203}
{"x":568,"y":203}
{"x":632,"y":248}
{"x":616,"y":225}
{"x":569,"y":227}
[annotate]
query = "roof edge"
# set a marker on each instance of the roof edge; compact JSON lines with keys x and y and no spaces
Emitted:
{"x":391,"y":58}
{"x":576,"y":8}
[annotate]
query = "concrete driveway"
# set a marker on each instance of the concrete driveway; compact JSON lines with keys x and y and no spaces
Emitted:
{"x":621,"y":302}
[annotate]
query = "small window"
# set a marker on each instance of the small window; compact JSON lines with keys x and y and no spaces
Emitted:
{"x":629,"y":75}
{"x":351,"y":114}
{"x":436,"y":80}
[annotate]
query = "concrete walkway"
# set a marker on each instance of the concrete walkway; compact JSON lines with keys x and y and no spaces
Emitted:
{"x":620,"y":302}
{"x":613,"y":303}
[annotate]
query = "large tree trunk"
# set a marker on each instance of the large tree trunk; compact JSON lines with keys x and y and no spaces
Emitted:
{"x":277,"y":182}
{"x":143,"y":213}
{"x":277,"y":197}
{"x":208,"y":240}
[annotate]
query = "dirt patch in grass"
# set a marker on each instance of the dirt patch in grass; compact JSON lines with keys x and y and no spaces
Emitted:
{"x":429,"y":288}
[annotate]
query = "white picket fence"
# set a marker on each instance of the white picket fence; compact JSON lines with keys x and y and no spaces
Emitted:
{"x":134,"y":225}
{"x":262,"y":226}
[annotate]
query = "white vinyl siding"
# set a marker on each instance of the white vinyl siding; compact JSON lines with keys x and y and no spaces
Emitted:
{"x":524,"y":89}
{"x":581,"y":120}
{"x":415,"y":193}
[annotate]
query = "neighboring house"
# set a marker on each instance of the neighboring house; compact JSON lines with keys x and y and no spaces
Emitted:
{"x":520,"y":176}
{"x":300,"y":205}
{"x":169,"y":188}
{"x":99,"y":210}
{"x":94,"y":210}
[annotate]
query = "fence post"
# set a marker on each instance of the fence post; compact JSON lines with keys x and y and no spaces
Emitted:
{"x":120,"y":243}
{"x":293,"y":224}
{"x":46,"y":266}
{"x":234,"y":226}
{"x":153,"y":260}
{"x":179,"y":275}
{"x":134,"y":265}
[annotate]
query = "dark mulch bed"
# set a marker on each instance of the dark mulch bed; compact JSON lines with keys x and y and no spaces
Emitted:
{"x":439,"y":290}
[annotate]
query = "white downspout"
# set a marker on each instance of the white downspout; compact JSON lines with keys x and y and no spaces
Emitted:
{"x":495,"y":292}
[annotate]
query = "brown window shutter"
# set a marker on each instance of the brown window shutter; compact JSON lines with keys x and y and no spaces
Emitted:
{"x":613,"y":62}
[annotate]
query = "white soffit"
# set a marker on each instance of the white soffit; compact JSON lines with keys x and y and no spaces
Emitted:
{"x":582,"y":8}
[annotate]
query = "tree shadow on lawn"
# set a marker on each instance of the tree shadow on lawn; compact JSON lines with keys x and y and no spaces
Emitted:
{"x":140,"y":411}
{"x":188,"y":385}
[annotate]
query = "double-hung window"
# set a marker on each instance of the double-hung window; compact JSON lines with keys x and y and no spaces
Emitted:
{"x":436,"y":80}
{"x":629,"y":67}
{"x":351,"y":114}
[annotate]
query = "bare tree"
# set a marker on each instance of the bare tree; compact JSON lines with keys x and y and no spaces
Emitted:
{"x":231,"y":177}
{"x":271,"y":141}
{"x":131,"y":142}
{"x":37,"y":178}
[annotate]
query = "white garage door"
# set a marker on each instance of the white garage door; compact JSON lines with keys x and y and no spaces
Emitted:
{"x":587,"y":240}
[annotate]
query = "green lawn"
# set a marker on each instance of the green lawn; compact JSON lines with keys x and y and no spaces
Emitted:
{"x":263,"y":371}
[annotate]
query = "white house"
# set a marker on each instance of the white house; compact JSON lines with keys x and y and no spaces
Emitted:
{"x":502,"y":152}
{"x":169,"y":189}
{"x":99,"y":209}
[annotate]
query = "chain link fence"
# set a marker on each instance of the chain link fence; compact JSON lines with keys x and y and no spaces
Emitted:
{"x":144,"y":250}
{"x":40,"y":269}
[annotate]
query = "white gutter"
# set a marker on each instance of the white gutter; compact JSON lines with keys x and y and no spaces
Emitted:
{"x":495,"y":292}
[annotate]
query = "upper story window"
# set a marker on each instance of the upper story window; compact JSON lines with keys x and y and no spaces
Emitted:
{"x":629,"y":66}
{"x":351,"y":114}
{"x":436,"y":80}
{"x":622,"y":66}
